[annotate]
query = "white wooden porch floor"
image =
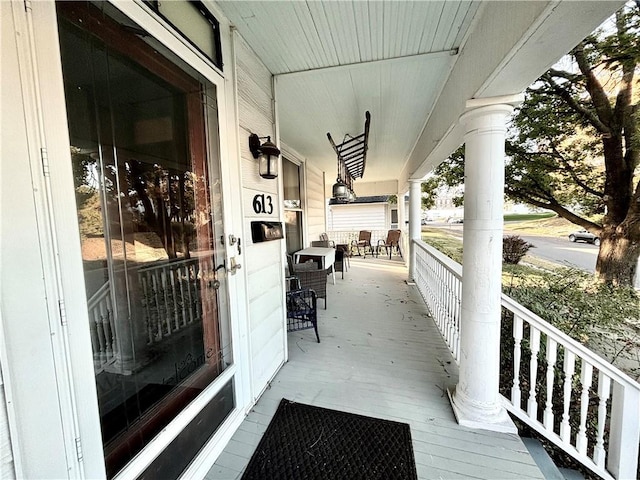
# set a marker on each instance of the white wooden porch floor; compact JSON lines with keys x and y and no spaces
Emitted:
{"x":381,"y":355}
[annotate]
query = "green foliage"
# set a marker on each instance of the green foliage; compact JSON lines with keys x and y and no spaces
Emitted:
{"x":574,"y":144}
{"x":514,"y":248}
{"x":89,"y":213}
{"x":525,"y":217}
{"x":448,"y":174}
{"x":602,"y":317}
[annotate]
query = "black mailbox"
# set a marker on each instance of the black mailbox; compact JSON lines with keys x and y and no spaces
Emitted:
{"x":266,"y":231}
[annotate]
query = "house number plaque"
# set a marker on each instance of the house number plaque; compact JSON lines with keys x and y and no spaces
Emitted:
{"x":263,"y":204}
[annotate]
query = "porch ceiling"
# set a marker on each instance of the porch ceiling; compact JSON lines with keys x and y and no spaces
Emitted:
{"x":402,"y":61}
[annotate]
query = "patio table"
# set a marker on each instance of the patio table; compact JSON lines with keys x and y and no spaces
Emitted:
{"x":326,"y":255}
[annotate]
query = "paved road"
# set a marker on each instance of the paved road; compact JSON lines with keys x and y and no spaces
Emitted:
{"x":563,"y":252}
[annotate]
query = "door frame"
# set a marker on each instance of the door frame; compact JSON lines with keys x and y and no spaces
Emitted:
{"x":72,"y":356}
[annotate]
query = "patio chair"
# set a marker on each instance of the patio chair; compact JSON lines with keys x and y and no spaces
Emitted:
{"x":393,"y":240}
{"x":302,"y":311}
{"x":338,"y":265}
{"x":364,"y":241}
{"x":320,"y":243}
{"x":346,"y":254}
{"x":310,"y":276}
{"x":325,"y":238}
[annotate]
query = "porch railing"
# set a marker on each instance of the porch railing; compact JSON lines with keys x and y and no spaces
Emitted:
{"x":171,"y":296}
{"x":347,"y":236}
{"x":102,"y":327}
{"x":170,"y":302}
{"x":439,"y":280}
{"x":571,"y":396}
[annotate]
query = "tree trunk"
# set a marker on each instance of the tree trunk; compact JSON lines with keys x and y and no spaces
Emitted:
{"x":618,"y":256}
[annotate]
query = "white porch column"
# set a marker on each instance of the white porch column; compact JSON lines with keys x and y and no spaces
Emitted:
{"x":475,"y":400}
{"x":415,"y":207}
{"x":402,"y":214}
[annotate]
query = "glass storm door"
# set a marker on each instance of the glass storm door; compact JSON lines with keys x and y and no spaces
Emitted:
{"x":138,"y":128}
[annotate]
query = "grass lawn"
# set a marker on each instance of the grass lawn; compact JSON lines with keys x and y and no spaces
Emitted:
{"x":549,"y":226}
{"x":523,"y":217}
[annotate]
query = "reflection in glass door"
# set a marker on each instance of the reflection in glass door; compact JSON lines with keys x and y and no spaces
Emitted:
{"x":292,"y":205}
{"x":139,"y":149}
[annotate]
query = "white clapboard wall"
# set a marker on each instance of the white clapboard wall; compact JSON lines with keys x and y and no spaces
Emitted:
{"x":315,"y":207}
{"x":357,"y":216}
{"x":262,"y":261}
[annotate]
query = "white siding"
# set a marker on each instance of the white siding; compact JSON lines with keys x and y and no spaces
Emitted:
{"x":315,"y":207}
{"x":6,"y":458}
{"x":263,"y":261}
{"x":368,"y":216}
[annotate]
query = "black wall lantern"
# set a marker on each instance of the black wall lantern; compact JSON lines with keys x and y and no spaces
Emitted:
{"x":267,"y":153}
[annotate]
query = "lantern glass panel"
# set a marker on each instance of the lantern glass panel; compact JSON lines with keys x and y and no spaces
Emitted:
{"x":268,"y":166}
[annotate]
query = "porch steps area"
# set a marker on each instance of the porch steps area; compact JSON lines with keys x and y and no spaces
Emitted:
{"x":381,"y":355}
{"x":546,"y":464}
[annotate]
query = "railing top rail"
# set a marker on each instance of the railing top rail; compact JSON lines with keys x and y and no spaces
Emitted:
{"x":172,"y":262}
{"x":454,"y":267}
{"x":103,"y":291}
{"x":566,"y":341}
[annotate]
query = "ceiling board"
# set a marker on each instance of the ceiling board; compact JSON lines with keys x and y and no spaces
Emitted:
{"x":399,"y":94}
{"x":334,"y":60}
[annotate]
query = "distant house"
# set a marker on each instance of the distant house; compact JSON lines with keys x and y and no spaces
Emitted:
{"x":364,"y":213}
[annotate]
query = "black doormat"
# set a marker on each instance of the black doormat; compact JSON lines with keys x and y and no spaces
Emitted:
{"x":307,"y":442}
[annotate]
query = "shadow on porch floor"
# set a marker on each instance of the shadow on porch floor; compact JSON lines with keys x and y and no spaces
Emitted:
{"x":381,"y":355}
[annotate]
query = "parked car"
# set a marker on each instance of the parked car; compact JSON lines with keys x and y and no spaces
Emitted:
{"x":584,"y":236}
{"x":455,"y":220}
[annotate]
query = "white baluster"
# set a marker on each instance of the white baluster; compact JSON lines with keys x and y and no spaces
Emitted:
{"x":552,"y":355}
{"x":586,"y":378}
{"x":190,"y":282}
{"x":107,"y":328}
{"x":94,"y":322}
{"x":569,"y":368}
{"x":532,"y":403}
{"x":183,"y":299}
{"x":165,"y":314}
{"x":103,"y":339}
{"x":156,"y":300}
{"x":146,"y":294}
{"x":112,"y":327}
{"x":624,"y":435}
{"x":449,"y":298}
{"x":604,"y":390}
{"x":174,"y":295}
{"x":517,"y":354}
{"x":197,"y":288}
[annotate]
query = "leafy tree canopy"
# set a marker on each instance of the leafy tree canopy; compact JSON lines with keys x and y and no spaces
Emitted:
{"x":574,"y":145}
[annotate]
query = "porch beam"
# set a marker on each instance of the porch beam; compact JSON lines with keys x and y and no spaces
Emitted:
{"x":439,"y":53}
{"x":476,"y":401}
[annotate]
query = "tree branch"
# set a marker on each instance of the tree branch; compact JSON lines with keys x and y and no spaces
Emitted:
{"x":625,"y":94}
{"x":597,"y":93}
{"x":562,"y":212}
{"x":590,"y":116}
{"x":571,"y":171}
{"x":572,"y":77}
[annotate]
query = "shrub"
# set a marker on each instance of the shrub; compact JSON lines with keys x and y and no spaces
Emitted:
{"x":514,"y":248}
